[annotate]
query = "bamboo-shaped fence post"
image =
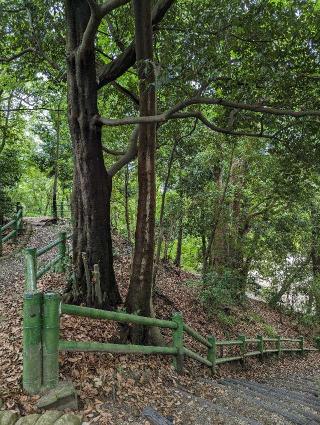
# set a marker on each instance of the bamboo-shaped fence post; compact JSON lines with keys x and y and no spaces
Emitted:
{"x":279,"y":345}
{"x":50,"y":339}
{"x":243,"y":346}
{"x":30,"y":255}
{"x":15,"y":227}
{"x":97,"y":284}
{"x":20,"y":218}
{"x":62,"y":252}
{"x":260,"y":345}
{"x":212,"y":352}
{"x":18,"y":223}
{"x":178,"y":342}
{"x":1,"y":241}
{"x":301,"y":344}
{"x":32,"y":350}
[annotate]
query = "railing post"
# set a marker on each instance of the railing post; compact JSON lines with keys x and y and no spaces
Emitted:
{"x":1,"y":241}
{"x":301,"y":344}
{"x":279,"y":345}
{"x":50,"y":339}
{"x":20,"y":212}
{"x":178,"y":360}
{"x":30,"y":255}
{"x":212,"y":352}
{"x":62,"y":252}
{"x":15,"y":227}
{"x":243,"y":348}
{"x":260,"y":345}
{"x":32,"y":352}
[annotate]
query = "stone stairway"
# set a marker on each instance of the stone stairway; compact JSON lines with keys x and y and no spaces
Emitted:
{"x":277,"y":401}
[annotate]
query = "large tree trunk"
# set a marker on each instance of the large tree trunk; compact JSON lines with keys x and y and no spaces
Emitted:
{"x":91,"y":185}
{"x":139,"y":298}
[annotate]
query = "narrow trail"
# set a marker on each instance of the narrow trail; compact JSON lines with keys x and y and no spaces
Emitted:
{"x":12,"y":265}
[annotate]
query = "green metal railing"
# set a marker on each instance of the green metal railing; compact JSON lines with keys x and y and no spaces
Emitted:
{"x":41,"y":326}
{"x":42,"y":344}
{"x":33,"y":271}
{"x":15,"y":226}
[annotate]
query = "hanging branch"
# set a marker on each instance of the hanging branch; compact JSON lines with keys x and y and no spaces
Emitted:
{"x":17,"y":55}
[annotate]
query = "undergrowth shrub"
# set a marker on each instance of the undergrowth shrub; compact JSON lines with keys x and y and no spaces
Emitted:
{"x":224,"y":289}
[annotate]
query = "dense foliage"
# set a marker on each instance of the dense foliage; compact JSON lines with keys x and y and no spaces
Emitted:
{"x":238,"y":189}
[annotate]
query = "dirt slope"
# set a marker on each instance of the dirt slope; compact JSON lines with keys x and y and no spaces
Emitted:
{"x":114,"y":389}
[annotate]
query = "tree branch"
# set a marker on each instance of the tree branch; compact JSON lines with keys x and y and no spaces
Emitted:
{"x":110,"y":5}
{"x":125,"y":60}
{"x":112,"y":152}
{"x":17,"y":55}
{"x":130,"y":154}
{"x":174,"y":113}
{"x":97,"y":13}
{"x":132,"y":96}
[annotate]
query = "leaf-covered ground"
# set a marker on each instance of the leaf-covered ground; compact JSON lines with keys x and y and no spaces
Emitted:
{"x":114,"y":389}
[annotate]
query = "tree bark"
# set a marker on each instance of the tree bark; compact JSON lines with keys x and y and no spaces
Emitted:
{"x":92,"y":185}
{"x":126,"y":202}
{"x":162,"y":206}
{"x":56,"y":170}
{"x":139,"y":298}
{"x":177,"y":260}
{"x":315,"y":258}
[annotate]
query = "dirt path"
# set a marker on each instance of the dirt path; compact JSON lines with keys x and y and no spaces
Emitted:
{"x":12,"y":266}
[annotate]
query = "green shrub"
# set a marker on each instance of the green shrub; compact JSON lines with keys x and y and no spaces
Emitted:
{"x":222,"y":289}
{"x":226,"y":319}
{"x":269,"y":331}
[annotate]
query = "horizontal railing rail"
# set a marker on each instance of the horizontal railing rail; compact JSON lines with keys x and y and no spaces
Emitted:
{"x":15,"y":224}
{"x":33,"y":271}
{"x":42,"y":313}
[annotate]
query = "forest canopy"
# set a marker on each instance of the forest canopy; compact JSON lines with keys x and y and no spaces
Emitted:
{"x":189,"y":127}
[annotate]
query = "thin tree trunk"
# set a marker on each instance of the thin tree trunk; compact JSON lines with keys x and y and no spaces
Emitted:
{"x":92,"y":185}
{"x":218,"y":214}
{"x":56,"y":171}
{"x":162,"y":206}
{"x":177,"y":260}
{"x":126,"y":202}
{"x":139,"y":298}
{"x":315,"y":258}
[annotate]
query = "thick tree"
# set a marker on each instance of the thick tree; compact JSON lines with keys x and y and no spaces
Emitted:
{"x":92,"y":184}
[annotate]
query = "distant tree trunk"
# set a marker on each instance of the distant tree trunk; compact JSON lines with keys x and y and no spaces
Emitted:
{"x":92,"y":185}
{"x":126,"y":202}
{"x":177,"y":260}
{"x":56,"y":171}
{"x":139,"y":298}
{"x":165,"y":256}
{"x":315,"y":258}
{"x":162,"y":207}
